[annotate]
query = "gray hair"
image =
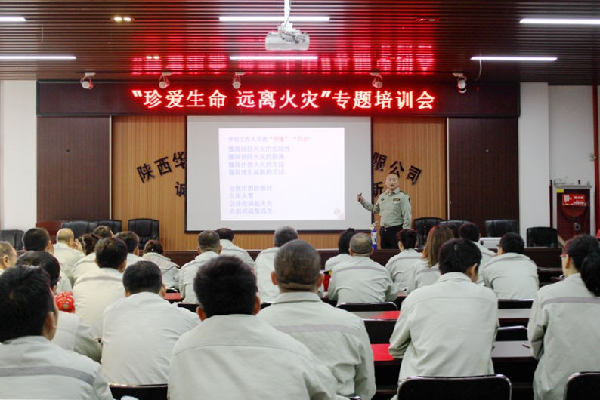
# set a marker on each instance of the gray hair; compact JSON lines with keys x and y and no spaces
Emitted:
{"x":361,"y":244}
{"x":283,"y":235}
{"x":297,"y":266}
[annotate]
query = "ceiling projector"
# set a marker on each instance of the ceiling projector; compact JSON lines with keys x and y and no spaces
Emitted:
{"x":287,"y":38}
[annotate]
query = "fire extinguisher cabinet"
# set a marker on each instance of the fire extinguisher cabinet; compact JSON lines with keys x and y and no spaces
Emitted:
{"x":572,"y":209}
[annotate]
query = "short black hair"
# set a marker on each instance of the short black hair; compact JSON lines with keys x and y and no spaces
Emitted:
{"x":111,"y":253}
{"x":103,"y":232}
{"x":131,"y":239}
{"x":36,"y":239}
{"x":226,"y":285}
{"x":25,"y":301}
{"x":225,"y":233}
{"x":512,"y":242}
{"x":142,"y":276}
{"x":579,"y":247}
{"x":283,"y":235}
{"x":470,"y":231}
{"x":209,"y":241}
{"x":457,"y":255}
{"x":297,"y":266}
{"x":44,"y":260}
{"x":153,"y":246}
{"x":408,"y":238}
{"x":344,"y":241}
{"x":88,"y":243}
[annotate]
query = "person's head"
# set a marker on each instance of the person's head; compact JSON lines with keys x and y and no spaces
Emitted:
{"x":153,"y":246}
{"x":142,"y":276}
{"x":226,"y":285}
{"x":209,"y":241}
{"x":131,"y":239}
{"x":225,"y":233}
{"x":577,"y":249}
{"x":26,"y":304}
{"x":469,"y":231}
{"x":65,"y":235}
{"x":511,"y":242}
{"x":111,"y":253}
{"x":590,"y":272}
{"x":103,"y":232}
{"x":407,"y":239}
{"x":437,"y":236}
{"x":361,"y":245}
{"x":344,"y":241}
{"x":88,"y":243}
{"x":8,"y":255}
{"x":36,"y":239}
{"x":297,"y":267}
{"x":391,"y":181}
{"x":44,"y":260}
{"x":284,"y":234}
{"x":460,"y":255}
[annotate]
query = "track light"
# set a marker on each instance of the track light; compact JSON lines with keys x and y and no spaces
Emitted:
{"x":237,"y":80}
{"x":86,"y":81}
{"x":163,"y":81}
{"x":461,"y":82}
{"x":377,"y":80}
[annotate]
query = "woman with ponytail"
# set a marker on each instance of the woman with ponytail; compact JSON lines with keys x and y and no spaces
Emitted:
{"x":564,"y":326}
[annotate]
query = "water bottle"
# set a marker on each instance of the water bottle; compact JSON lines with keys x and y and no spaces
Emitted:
{"x":374,"y":235}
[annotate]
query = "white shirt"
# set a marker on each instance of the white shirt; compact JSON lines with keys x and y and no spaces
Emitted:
{"x":132,"y":259}
{"x":64,"y":284}
{"x":400,"y":268}
{"x":72,"y":334}
{"x":169,"y":270}
{"x":264,"y":265}
{"x":446,"y":329}
{"x":335,"y":260}
{"x":231,"y":357}
{"x":347,"y":350}
{"x":361,"y":280}
{"x":32,"y":367}
{"x":93,"y":292}
{"x":564,"y":331}
{"x":512,"y":276}
{"x":86,"y":264}
{"x":67,"y":257}
{"x":230,"y":249}
{"x":188,"y":273}
{"x":139,"y":334}
{"x":486,"y":256}
{"x":423,"y":275}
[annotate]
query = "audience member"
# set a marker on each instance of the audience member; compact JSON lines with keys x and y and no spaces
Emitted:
{"x":229,"y":249}
{"x":38,"y":239}
{"x":343,"y":250}
{"x":511,"y":274}
{"x":153,"y":251}
{"x":132,"y":241}
{"x":34,"y":368}
{"x":471,"y":232}
{"x":565,"y":320}
{"x":209,"y":246}
{"x":71,"y":333}
{"x":88,"y":262}
{"x":8,"y":256}
{"x":400,"y":266}
{"x":299,"y":312}
{"x":265,"y":263}
{"x":67,"y":251}
{"x":141,"y":329}
{"x":426,"y":271}
{"x":97,"y":289}
{"x":360,"y":279}
{"x":233,"y":354}
{"x":448,"y":328}
{"x":103,"y":232}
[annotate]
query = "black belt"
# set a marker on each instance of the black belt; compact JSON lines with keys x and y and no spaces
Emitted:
{"x":391,"y":227}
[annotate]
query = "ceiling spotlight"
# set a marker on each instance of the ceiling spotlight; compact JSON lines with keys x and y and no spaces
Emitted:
{"x":461,"y":82}
{"x":377,"y":80}
{"x":163,"y":81}
{"x":86,"y":81}
{"x":237,"y":80}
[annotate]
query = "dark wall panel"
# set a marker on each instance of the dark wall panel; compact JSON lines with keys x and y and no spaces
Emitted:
{"x":73,"y":168}
{"x":483,"y":164}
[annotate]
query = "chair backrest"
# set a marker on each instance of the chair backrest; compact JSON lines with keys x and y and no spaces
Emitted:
{"x":542,"y":236}
{"x":12,"y":236}
{"x":79,"y":227}
{"x":143,"y":392}
{"x":488,"y":387}
{"x":387,"y":306}
{"x":115,"y":225}
{"x":513,"y":304}
{"x":517,"y":332}
{"x":583,"y":386}
{"x":188,"y":306}
{"x":453,"y":224}
{"x":146,"y":228}
{"x":379,"y":330}
{"x":423,"y":225}
{"x":498,"y":227}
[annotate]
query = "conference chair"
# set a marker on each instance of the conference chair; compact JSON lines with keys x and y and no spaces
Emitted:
{"x":514,"y":304}
{"x":583,"y":386}
{"x":542,"y":236}
{"x":516,"y":332}
{"x":488,"y":387}
{"x":115,"y":225}
{"x":146,"y":228}
{"x":142,"y":392}
{"x":379,"y":330}
{"x":79,"y":227}
{"x":453,"y":224}
{"x":498,"y":227}
{"x":12,"y":236}
{"x":387,"y":306}
{"x":423,"y":225}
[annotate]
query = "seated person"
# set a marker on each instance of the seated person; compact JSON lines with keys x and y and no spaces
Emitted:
{"x":360,"y":279}
{"x":141,"y":329}
{"x":265,"y":263}
{"x":71,"y":333}
{"x":97,"y":289}
{"x":27,"y":357}
{"x":38,"y":239}
{"x":299,"y":312}
{"x":209,"y":247}
{"x":448,"y":328}
{"x":103,"y":232}
{"x":132,"y":240}
{"x":67,"y":251}
{"x":565,"y":320}
{"x":153,"y":252}
{"x":8,"y":256}
{"x":229,"y":249}
{"x":88,"y":262}
{"x":233,"y":354}
{"x":400,"y":265}
{"x":426,"y":270}
{"x":343,"y":250}
{"x":511,"y":274}
{"x":471,"y":232}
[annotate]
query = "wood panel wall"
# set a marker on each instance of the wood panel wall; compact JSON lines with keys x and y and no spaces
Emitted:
{"x":144,"y":139}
